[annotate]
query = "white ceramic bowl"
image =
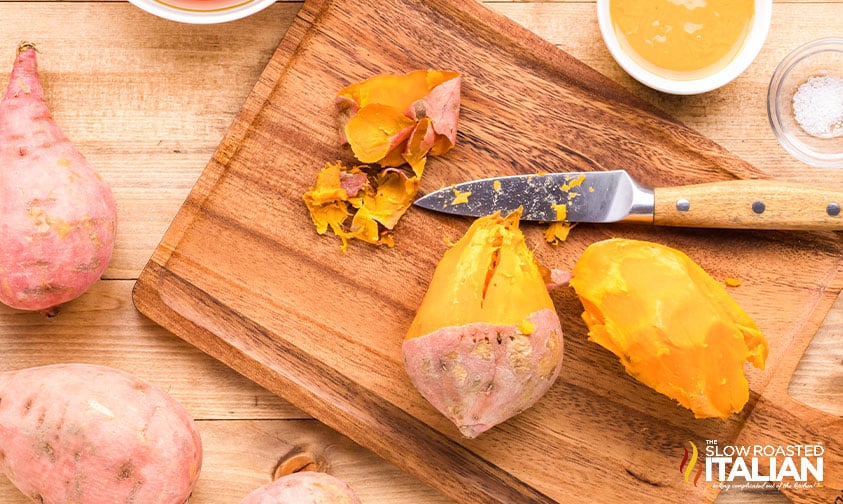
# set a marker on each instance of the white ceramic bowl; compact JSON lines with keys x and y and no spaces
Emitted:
{"x":231,"y":11}
{"x":817,"y":58}
{"x":747,"y":53}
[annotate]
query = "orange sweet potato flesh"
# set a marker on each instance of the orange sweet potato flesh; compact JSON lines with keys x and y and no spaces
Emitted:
{"x":395,"y":119}
{"x":307,"y":487}
{"x":57,"y":215}
{"x":673,"y":326}
{"x":486,"y":342}
{"x":393,"y":123}
{"x":356,"y":205}
{"x":376,"y":131}
{"x":86,"y":434}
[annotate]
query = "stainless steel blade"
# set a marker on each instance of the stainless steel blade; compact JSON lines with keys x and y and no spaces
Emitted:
{"x":574,"y":197}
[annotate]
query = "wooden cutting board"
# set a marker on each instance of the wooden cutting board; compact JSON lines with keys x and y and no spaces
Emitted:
{"x":242,"y":274}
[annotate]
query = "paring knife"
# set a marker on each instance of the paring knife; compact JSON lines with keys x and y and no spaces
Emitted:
{"x":613,"y":196}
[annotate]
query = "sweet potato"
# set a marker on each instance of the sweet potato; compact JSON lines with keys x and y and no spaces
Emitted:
{"x":672,"y":326}
{"x":306,"y":487}
{"x":86,"y":434}
{"x":486,"y":342}
{"x":57,"y":216}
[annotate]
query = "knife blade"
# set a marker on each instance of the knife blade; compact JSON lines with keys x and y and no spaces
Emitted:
{"x":614,"y":196}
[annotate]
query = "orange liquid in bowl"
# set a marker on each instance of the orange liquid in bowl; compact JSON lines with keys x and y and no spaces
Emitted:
{"x":682,"y":39}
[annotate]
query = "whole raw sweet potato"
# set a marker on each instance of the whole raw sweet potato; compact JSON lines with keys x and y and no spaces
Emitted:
{"x":486,"y":342}
{"x":85,"y":434}
{"x":57,"y":216}
{"x":307,"y":487}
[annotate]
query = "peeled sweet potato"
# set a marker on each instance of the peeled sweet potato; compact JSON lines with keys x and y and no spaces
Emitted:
{"x":306,"y":487}
{"x":85,"y":434}
{"x":57,"y":215}
{"x":673,"y":327}
{"x":486,"y":342}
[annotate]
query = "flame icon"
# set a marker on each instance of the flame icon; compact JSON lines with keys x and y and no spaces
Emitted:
{"x":689,"y":461}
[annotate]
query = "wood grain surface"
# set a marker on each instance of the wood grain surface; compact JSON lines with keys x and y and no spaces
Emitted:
{"x":148,"y":102}
{"x":237,"y":276}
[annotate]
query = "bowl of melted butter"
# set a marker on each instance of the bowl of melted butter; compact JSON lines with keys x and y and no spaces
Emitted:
{"x":684,"y":46}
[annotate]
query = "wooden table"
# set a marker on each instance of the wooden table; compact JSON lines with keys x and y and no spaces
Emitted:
{"x":148,"y":100}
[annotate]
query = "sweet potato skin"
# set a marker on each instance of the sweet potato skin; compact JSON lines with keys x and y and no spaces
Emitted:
{"x":58,"y":218}
{"x":479,"y":375}
{"x":85,"y":434}
{"x":307,"y":487}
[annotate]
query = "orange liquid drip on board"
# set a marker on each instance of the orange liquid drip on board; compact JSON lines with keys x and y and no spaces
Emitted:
{"x":682,"y":38}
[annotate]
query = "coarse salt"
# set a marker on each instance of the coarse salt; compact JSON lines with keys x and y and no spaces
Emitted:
{"x":818,"y":106}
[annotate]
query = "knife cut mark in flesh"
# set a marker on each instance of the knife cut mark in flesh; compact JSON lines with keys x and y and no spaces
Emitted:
{"x":493,"y":266}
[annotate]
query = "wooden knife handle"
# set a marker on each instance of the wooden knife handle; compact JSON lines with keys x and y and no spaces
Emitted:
{"x":749,"y":204}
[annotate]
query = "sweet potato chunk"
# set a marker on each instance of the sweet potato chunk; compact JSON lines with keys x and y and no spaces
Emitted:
{"x":673,"y":327}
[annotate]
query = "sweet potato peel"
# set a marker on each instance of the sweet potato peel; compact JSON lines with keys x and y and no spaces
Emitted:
{"x":392,"y":124}
{"x":396,"y":119}
{"x":419,"y":144}
{"x":327,"y":200}
{"x":361,"y":202}
{"x":377,"y":133}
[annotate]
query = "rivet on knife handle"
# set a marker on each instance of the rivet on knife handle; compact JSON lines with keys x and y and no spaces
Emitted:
{"x":750,"y":204}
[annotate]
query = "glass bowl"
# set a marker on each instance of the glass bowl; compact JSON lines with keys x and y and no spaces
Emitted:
{"x":822,"y":61}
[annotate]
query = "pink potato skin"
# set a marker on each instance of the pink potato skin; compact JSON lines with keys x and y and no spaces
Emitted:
{"x":442,"y":106}
{"x":479,"y":375}
{"x":57,"y":216}
{"x":306,"y":487}
{"x":85,"y":434}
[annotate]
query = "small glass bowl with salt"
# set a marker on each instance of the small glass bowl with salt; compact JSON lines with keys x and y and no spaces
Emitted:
{"x":805,"y":103}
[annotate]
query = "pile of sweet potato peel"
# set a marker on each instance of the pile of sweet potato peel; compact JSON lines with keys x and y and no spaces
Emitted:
{"x":392,"y":123}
